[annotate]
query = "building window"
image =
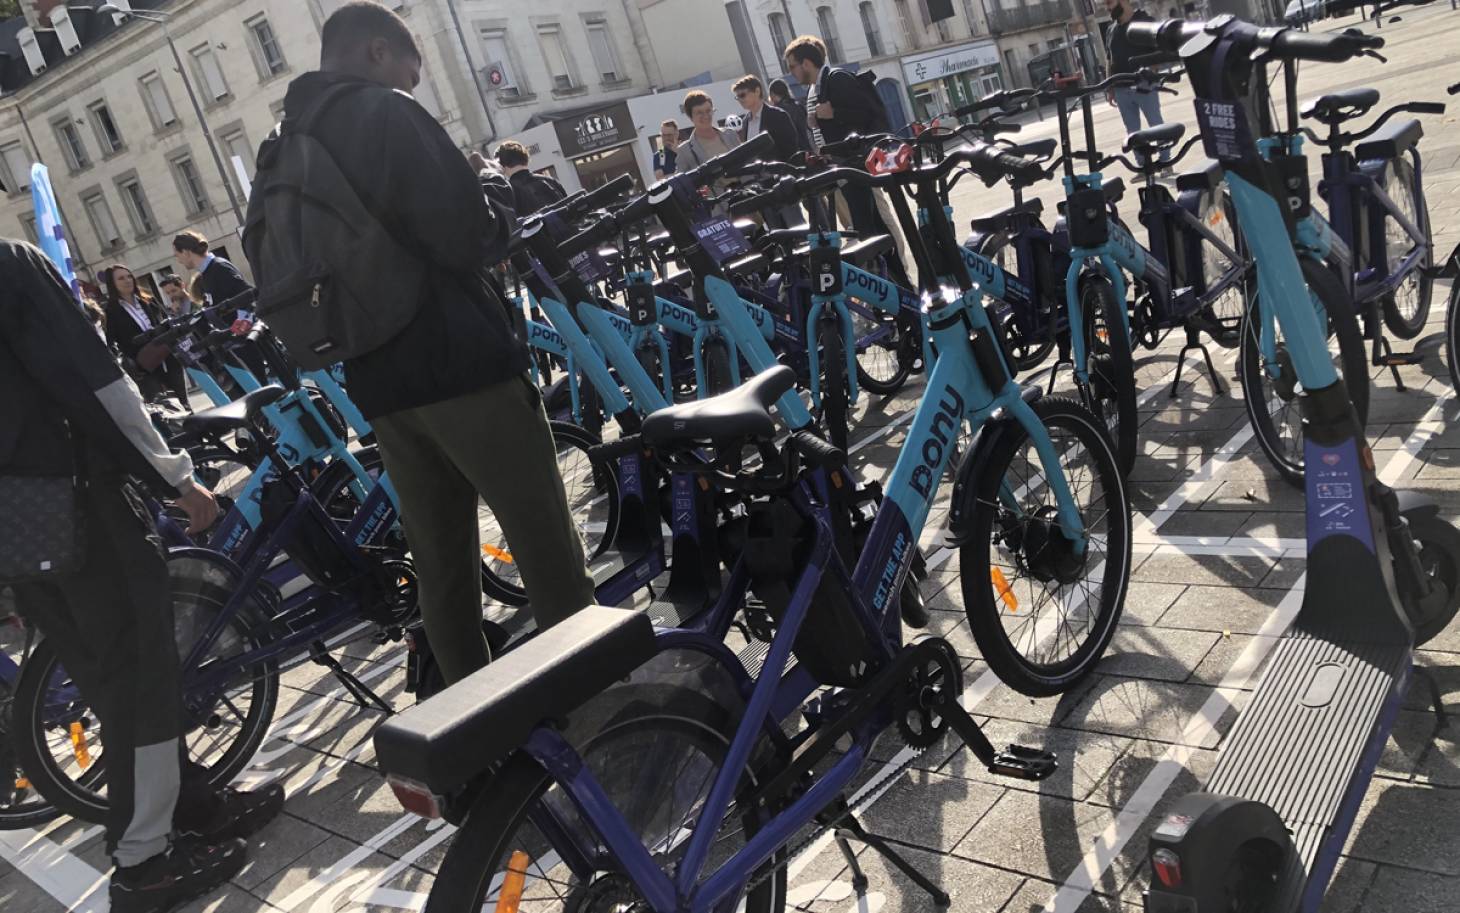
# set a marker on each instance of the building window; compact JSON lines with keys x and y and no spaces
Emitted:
{"x":600,"y":42}
{"x":235,"y":146}
{"x":138,"y":210}
{"x":869,"y":28}
{"x":27,"y":224}
{"x":267,"y":53}
{"x":158,"y":102}
{"x":494,"y":44}
{"x":941,"y":27}
{"x":100,"y":214}
{"x":972,"y":16}
{"x":555,"y":55}
{"x":107,"y":134}
{"x":15,"y":167}
{"x":190,"y":185}
{"x":72,"y":147}
{"x":210,"y":73}
{"x":826,"y":22}
{"x":780,"y":33}
{"x":905,"y":23}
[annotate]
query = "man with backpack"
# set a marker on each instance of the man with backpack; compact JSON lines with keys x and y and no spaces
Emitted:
{"x":371,"y":238}
{"x":840,"y":104}
{"x":530,"y":191}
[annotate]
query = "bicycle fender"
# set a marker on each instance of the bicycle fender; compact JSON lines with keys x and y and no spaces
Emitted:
{"x":976,"y":461}
{"x":1416,"y":506}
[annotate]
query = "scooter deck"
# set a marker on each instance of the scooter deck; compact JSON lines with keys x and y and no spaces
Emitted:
{"x":1308,"y":743}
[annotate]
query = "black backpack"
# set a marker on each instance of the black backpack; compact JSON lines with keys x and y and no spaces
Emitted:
{"x":333,"y":283}
{"x":867,"y":83}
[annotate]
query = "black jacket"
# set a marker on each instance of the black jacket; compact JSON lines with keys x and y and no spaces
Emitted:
{"x":222,"y":281}
{"x":55,"y":370}
{"x":415,"y":180}
{"x":778,"y":124}
{"x":796,"y":111}
{"x":531,"y":192}
{"x":122,"y":328}
{"x":849,"y":106}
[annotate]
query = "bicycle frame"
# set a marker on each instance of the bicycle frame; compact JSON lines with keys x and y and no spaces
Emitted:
{"x":1357,"y":208}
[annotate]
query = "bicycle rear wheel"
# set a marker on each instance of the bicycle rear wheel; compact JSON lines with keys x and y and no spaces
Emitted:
{"x":1026,"y":352}
{"x":1452,"y":335}
{"x":1408,"y":309}
{"x":1271,"y":391}
{"x":718,"y":377}
{"x":1111,"y":394}
{"x":507,"y":825}
{"x":60,"y":746}
{"x":1224,"y":313}
{"x":1042,"y":614}
{"x":884,"y":360}
{"x":593,"y":503}
{"x":21,"y":804}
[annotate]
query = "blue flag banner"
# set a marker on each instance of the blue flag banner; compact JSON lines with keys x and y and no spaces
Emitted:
{"x":51,"y":232}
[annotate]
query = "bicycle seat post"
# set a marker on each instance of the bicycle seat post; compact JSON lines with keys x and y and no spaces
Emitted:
{"x":1062,"y":111}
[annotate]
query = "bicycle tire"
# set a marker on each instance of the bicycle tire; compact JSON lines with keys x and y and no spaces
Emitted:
{"x":834,"y":405}
{"x":1111,"y":393}
{"x":1452,"y":342}
{"x":84,"y":800}
{"x":500,"y":580}
{"x":1403,"y":320}
{"x":874,"y":371}
{"x":21,"y":804}
{"x":1025,"y":354}
{"x":999,"y":537}
{"x":718,"y":377}
{"x":482,"y":844}
{"x":1283,"y":446}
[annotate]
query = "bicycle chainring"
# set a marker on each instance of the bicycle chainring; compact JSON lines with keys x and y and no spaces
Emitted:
{"x":930,"y":686}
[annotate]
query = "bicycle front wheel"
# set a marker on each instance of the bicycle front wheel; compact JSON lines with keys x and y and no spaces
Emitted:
{"x":593,"y":503}
{"x":1408,"y":309}
{"x":1042,"y":611}
{"x":58,"y":741}
{"x":1270,"y":387}
{"x":884,"y":358}
{"x":505,"y":837}
{"x":1452,"y":335}
{"x":833,"y":382}
{"x":1111,"y":393}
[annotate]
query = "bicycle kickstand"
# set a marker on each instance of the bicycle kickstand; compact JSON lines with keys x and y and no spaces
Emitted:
{"x":358,"y":689}
{"x":1193,"y":341}
{"x":853,"y":829}
{"x":1393,"y":365}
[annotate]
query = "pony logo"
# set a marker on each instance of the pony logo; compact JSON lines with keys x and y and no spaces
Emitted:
{"x":943,"y":432}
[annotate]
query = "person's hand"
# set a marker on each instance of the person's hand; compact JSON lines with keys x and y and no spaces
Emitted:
{"x":824,"y":112}
{"x":198,"y":503}
{"x":241,"y":327}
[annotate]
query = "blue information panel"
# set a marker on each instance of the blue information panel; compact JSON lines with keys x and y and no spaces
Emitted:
{"x":1336,"y":501}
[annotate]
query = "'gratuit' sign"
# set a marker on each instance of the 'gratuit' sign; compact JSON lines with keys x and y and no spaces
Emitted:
{"x":595,"y":130}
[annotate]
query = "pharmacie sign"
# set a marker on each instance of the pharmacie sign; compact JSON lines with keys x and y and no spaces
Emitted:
{"x":595,"y":130}
{"x":940,"y":64}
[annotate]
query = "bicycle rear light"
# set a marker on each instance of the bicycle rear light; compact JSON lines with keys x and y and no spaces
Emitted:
{"x":415,"y":797}
{"x":889,"y":161}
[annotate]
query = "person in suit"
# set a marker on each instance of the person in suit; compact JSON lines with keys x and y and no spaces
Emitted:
{"x":131,"y":312}
{"x":761,"y":117}
{"x":220,"y":281}
{"x":664,"y":159}
{"x":782,"y":98}
{"x":835,"y":109}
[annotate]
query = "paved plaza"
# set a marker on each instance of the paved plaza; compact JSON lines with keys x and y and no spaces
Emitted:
{"x":1218,"y":573}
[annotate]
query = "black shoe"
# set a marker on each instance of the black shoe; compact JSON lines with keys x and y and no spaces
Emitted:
{"x":236,"y":813}
{"x":185,"y":871}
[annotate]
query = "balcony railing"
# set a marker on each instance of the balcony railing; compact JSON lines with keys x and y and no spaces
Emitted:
{"x":1028,"y":16}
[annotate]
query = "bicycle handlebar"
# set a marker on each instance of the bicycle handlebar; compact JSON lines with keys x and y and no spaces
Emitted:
{"x":177,"y":327}
{"x":1004,"y":100}
{"x":581,"y":202}
{"x":1282,"y":43}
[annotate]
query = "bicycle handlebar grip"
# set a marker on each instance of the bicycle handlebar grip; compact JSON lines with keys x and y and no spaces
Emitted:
{"x":610,"y":191}
{"x":1325,"y":47}
{"x":777,"y":195}
{"x":748,"y":151}
{"x":637,"y":210}
{"x":625,"y":446}
{"x":855,"y":144}
{"x":1427,"y":107}
{"x":817,"y":451}
{"x":1166,"y":36}
{"x":993,"y":162}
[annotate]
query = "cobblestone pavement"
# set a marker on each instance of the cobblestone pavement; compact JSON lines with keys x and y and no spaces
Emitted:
{"x":1219,"y":564}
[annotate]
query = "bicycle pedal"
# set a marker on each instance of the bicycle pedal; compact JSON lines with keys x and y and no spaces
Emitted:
{"x":1024,"y":763}
{"x":1401,"y":359}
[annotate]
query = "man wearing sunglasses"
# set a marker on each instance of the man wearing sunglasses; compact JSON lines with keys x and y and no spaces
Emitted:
{"x":759,"y":118}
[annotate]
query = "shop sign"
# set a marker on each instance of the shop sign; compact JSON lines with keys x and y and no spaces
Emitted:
{"x":595,"y":131}
{"x":941,"y":64}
